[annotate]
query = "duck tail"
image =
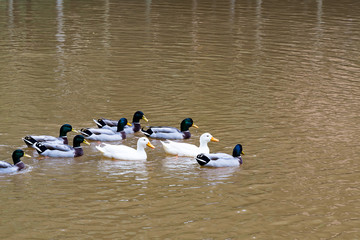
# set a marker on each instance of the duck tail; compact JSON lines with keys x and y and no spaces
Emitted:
{"x":29,"y":140}
{"x":202,"y":159}
{"x":100,"y":123}
{"x":85,"y":132}
{"x":100,"y":148}
{"x":147,"y":132}
{"x":39,"y":147}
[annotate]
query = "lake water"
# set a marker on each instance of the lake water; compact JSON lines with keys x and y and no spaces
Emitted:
{"x":279,"y":77}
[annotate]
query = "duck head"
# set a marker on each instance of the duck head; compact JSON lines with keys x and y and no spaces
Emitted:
{"x":238,"y":150}
{"x":121,"y":124}
{"x":17,"y":154}
{"x":138,"y":116}
{"x":186,"y":124}
{"x":78,"y":139}
{"x":143,"y":141}
{"x":65,"y":129}
{"x":207,"y":137}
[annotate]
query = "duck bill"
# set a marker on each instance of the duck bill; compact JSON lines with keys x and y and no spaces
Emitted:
{"x":73,"y":130}
{"x":129,"y":124}
{"x":214,"y":139}
{"x":86,"y":142}
{"x":242,"y":153}
{"x":150,"y":145}
{"x":27,"y":155}
{"x":146,"y":120}
{"x":195,"y":126}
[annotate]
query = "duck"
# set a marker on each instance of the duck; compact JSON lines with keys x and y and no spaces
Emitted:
{"x":123,"y":152}
{"x":61,"y":150}
{"x":30,"y":140}
{"x":100,"y":134}
{"x":112,"y":125}
{"x":221,"y":159}
{"x":171,"y":132}
{"x":18,"y":164}
{"x":189,"y":150}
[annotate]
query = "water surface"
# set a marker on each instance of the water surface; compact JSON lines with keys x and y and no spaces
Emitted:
{"x":279,"y":77}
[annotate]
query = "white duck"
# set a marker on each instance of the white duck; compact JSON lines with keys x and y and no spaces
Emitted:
{"x":189,"y":150}
{"x":221,"y":159}
{"x":124,"y":152}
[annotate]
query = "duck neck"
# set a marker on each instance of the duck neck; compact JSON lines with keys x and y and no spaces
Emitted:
{"x":186,"y":134}
{"x":65,"y":139}
{"x":123,"y":134}
{"x":240,"y":160}
{"x":78,"y":151}
{"x":203,"y":145}
{"x":20,"y":165}
{"x":140,"y":148}
{"x":136,"y":126}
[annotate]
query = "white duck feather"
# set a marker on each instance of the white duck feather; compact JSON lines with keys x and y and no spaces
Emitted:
{"x":186,"y":149}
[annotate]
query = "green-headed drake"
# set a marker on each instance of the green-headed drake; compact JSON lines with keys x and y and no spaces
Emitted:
{"x":61,"y":150}
{"x":171,"y":132}
{"x":18,"y":164}
{"x":100,"y":134}
{"x":112,"y":125}
{"x":221,"y":159}
{"x":32,"y":139}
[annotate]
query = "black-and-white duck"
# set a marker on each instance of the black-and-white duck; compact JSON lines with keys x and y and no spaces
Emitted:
{"x":112,"y":124}
{"x":61,"y":150}
{"x":18,"y":164}
{"x":62,"y":139}
{"x":171,"y":132}
{"x":221,"y":159}
{"x":100,"y":134}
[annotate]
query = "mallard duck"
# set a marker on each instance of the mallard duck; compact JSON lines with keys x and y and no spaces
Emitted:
{"x":124,"y":152}
{"x":18,"y":164}
{"x":171,"y":132}
{"x":100,"y":134}
{"x":221,"y":159}
{"x":31,"y":139}
{"x":189,"y":150}
{"x":112,"y":125}
{"x":62,"y":150}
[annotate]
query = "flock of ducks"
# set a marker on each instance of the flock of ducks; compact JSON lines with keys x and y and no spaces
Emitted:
{"x":110,"y":130}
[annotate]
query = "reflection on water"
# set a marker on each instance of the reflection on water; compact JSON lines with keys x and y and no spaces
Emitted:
{"x":281,"y":78}
{"x":125,"y":168}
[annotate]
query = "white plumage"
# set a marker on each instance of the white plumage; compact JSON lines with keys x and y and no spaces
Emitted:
{"x":124,"y":152}
{"x":186,"y":149}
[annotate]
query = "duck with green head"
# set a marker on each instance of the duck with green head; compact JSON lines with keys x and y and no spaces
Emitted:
{"x":61,"y":150}
{"x":171,"y":132}
{"x":112,"y":125}
{"x":221,"y":159}
{"x":30,"y":140}
{"x":106,"y":134}
{"x":18,"y":164}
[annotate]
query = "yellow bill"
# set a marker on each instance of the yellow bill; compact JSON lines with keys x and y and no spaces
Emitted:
{"x":150,"y":145}
{"x":214,"y":139}
{"x":145,"y":118}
